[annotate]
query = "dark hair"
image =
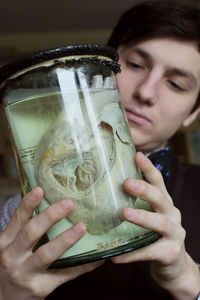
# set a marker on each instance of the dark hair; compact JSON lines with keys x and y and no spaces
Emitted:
{"x":158,"y":18}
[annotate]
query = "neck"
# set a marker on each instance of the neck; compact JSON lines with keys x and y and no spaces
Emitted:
{"x":150,"y":150}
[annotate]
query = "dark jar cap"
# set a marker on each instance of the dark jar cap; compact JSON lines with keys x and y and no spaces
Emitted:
{"x":30,"y":60}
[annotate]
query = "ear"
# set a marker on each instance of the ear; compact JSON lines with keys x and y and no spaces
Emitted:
{"x":192,"y":117}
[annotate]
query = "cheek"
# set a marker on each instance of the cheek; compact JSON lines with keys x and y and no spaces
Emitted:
{"x":171,"y":119}
{"x":176,"y":111}
{"x":126,"y":85}
{"x":122,"y":86}
{"x":121,"y":80}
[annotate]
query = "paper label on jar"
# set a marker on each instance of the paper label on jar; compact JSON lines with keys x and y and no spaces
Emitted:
{"x":27,"y":154}
{"x":109,"y":244}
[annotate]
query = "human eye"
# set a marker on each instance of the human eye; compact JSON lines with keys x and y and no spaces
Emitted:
{"x":176,"y":86}
{"x":135,"y":65}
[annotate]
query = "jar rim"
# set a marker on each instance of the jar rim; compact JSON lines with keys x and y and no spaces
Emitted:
{"x":29,"y":60}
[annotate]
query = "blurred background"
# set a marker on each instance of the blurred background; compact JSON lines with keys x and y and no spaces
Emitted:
{"x":29,"y":26}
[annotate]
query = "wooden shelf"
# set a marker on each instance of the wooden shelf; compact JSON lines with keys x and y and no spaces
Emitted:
{"x":186,"y":143}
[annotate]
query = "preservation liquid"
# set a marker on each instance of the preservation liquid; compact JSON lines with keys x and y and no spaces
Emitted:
{"x":89,"y":125}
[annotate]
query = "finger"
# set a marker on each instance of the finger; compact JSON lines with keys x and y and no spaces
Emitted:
{"x":154,"y":221}
{"x":152,"y":175}
{"x":22,"y":214}
{"x":159,"y":200}
{"x":163,"y":251}
{"x":35,"y":228}
{"x":156,"y":197}
{"x":48,"y":253}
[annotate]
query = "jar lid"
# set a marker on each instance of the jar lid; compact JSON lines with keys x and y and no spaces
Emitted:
{"x":32,"y":59}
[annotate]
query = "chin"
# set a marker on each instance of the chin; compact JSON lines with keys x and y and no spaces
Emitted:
{"x":140,"y":144}
{"x":145,"y":147}
{"x":143,"y":143}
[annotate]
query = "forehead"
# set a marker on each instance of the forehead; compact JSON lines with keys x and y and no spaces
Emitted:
{"x":168,"y":52}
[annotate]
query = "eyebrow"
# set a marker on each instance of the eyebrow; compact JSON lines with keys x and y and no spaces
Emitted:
{"x":143,"y":53}
{"x":172,"y":70}
{"x":184,"y":73}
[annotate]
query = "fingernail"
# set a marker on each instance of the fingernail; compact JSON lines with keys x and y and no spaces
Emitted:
{"x":134,"y":183}
{"x":36,"y":192}
{"x":142,"y":156}
{"x":131,"y":183}
{"x":79,"y":228}
{"x":130,"y":213}
{"x":66,"y":204}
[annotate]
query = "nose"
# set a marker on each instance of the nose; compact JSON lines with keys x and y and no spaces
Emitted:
{"x":147,"y":90}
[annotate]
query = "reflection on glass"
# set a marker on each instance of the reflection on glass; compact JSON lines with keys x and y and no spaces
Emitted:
{"x":71,"y":138}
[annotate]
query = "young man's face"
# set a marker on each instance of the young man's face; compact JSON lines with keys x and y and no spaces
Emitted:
{"x":159,"y":85}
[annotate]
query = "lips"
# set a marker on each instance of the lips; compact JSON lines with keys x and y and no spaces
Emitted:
{"x":137,"y":117}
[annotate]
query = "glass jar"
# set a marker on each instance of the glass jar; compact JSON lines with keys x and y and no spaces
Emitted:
{"x":70,"y":136}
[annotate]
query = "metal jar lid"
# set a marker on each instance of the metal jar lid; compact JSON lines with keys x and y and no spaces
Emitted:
{"x":24,"y":62}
